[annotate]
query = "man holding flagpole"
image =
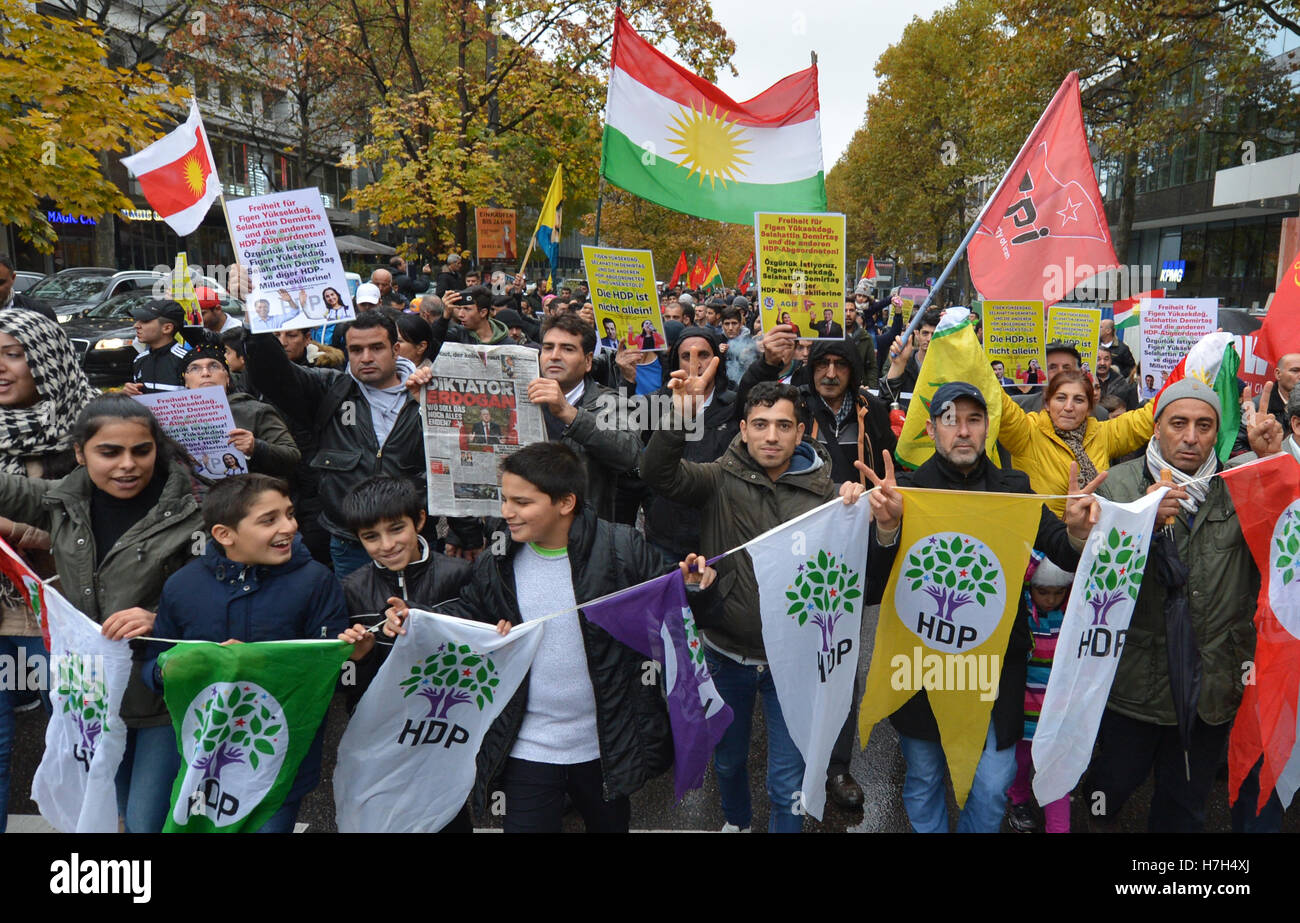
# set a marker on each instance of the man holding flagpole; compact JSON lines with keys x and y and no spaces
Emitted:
{"x":959,"y":427}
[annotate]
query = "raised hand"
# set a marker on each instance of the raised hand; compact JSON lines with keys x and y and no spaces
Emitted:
{"x":1262,"y":429}
{"x":1081,"y":512}
{"x":688,"y":391}
{"x":778,"y":345}
{"x":887,"y":502}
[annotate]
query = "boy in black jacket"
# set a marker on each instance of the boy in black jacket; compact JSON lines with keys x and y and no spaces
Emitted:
{"x":584,"y":722}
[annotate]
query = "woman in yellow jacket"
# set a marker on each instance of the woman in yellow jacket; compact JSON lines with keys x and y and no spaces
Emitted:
{"x":1043,"y":443}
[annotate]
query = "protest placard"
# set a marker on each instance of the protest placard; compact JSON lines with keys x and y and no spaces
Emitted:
{"x":1170,"y":328}
{"x":1013,"y":334}
{"x":911,"y":297}
{"x":293,"y":264}
{"x":494,"y":230}
{"x":801,"y":271}
{"x":624,"y":297}
{"x":200,"y":421}
{"x":476,"y":411}
{"x":1079,"y":327}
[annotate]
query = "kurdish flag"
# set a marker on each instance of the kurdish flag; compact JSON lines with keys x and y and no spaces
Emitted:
{"x":177,"y":176}
{"x":245,"y":717}
{"x":1214,"y":361}
{"x":1128,"y":311}
{"x":673,"y":138}
{"x":713,"y":278}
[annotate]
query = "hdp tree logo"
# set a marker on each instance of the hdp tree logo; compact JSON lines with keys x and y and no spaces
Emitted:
{"x":823,"y":593}
{"x":953,"y":572}
{"x":1284,"y":558}
{"x":694,"y":645}
{"x":233,"y":728}
{"x":452,"y":675}
{"x":80,"y":686}
{"x":951,"y":591}
{"x":235,"y":737}
{"x":1116,"y":573}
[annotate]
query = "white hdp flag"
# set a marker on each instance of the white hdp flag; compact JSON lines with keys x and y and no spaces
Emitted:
{"x":85,"y":738}
{"x":1091,"y":641}
{"x":407,"y":759}
{"x":811,"y":576}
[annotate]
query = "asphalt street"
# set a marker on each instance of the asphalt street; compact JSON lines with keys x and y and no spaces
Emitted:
{"x":878,"y":768}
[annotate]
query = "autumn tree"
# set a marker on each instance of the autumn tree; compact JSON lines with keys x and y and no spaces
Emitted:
{"x":64,"y":110}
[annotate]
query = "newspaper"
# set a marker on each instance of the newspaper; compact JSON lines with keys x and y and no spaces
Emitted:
{"x":476,"y":411}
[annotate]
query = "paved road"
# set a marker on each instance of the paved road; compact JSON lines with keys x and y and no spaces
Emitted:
{"x":879,"y":768}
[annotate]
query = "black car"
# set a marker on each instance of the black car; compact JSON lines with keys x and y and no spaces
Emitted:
{"x":104,"y":337}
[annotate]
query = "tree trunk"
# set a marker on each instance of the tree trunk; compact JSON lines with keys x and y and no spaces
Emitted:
{"x":1127,"y":205}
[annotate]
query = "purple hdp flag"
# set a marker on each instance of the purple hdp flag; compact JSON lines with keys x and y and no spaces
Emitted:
{"x":654,"y":619}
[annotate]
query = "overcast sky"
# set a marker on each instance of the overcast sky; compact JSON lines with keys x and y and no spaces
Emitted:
{"x":774,"y":39}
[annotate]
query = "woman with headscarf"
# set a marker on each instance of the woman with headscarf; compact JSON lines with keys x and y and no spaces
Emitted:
{"x":42,"y":389}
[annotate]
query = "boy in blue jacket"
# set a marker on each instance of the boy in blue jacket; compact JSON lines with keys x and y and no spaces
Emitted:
{"x":256,"y":581}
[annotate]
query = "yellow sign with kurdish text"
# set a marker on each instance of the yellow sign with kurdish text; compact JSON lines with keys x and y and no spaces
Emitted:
{"x":1013,"y":335}
{"x":946,"y":616}
{"x":800,"y":264}
{"x":624,"y":297}
{"x":1080,"y":327}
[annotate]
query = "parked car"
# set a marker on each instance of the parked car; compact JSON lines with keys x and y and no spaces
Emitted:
{"x":72,"y":292}
{"x":104,"y":336}
{"x":24,"y":280}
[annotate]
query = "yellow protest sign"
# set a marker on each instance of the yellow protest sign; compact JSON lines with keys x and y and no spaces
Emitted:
{"x":624,"y":297}
{"x":182,"y":291}
{"x":1013,"y":334}
{"x":800,"y":262}
{"x":1080,"y":327}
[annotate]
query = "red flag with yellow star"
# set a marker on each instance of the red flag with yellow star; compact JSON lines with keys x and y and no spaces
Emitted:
{"x":1281,"y":330}
{"x":177,"y":176}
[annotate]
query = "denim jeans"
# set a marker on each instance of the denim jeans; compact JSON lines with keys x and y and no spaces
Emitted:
{"x":146,"y":776}
{"x":282,"y":821}
{"x":347,"y":556}
{"x":19,"y":649}
{"x":738,"y":684}
{"x":923,"y":788}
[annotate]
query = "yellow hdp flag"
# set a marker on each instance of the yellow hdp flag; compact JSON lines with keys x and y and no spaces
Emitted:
{"x":955,"y":354}
{"x":947,"y":613}
{"x":182,"y":292}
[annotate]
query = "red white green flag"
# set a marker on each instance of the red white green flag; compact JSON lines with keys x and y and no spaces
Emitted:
{"x":1266,"y":495}
{"x":673,"y":138}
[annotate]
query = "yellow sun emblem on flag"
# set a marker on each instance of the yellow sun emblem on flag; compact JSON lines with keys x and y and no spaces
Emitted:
{"x":194,"y":177}
{"x":708,"y":144}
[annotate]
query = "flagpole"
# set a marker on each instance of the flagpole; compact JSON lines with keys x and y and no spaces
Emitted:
{"x":970,"y":235}
{"x":600,"y":200}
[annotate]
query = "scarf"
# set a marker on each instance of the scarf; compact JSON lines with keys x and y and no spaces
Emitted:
{"x":61,"y":390}
{"x":1196,"y":485}
{"x":1074,"y":441}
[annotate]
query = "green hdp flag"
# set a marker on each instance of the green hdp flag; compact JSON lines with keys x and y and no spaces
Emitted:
{"x":245,"y":715}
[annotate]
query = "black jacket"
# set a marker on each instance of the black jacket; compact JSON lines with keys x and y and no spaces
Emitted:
{"x":332,"y":404}
{"x":874,"y":436}
{"x":1122,"y":388}
{"x":915,"y":719}
{"x":410,"y":285}
{"x":160,"y":369}
{"x":631,"y":717}
{"x":448,"y":281}
{"x":31,"y":304}
{"x":424,"y":584}
{"x":1121,"y":358}
{"x":607,"y":447}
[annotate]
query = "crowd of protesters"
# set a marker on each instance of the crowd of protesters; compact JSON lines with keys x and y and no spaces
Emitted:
{"x":328,"y":419}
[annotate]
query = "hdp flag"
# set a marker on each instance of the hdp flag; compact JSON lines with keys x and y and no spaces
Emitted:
{"x":1214,"y":360}
{"x":673,"y":138}
{"x":549,"y":221}
{"x":955,"y":354}
{"x":654,"y":619}
{"x":679,"y":270}
{"x":86,"y":737}
{"x":947,"y":612}
{"x":1088,"y":649}
{"x":177,"y":176}
{"x":811,"y":578}
{"x":1281,"y":328}
{"x":1046,"y":213}
{"x":407,"y":759}
{"x":1266,"y":496}
{"x":245,"y":716}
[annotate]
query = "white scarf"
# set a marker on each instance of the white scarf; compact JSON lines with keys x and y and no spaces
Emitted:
{"x":1197,"y":485}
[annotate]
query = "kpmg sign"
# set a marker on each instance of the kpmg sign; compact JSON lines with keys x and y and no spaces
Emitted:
{"x":1173,"y":270}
